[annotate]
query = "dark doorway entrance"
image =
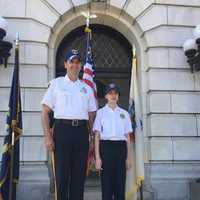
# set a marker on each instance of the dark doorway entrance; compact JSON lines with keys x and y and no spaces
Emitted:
{"x":112,"y":54}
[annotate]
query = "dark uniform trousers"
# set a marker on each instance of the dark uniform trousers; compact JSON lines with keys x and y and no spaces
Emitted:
{"x":71,"y":153}
{"x":113,"y":175}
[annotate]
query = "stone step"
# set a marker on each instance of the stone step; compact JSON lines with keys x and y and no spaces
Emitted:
{"x":35,"y":186}
{"x":91,"y":193}
{"x":40,"y":191}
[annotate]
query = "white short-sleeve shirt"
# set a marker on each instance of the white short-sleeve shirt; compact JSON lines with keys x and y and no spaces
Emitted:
{"x":112,"y":124}
{"x":70,"y":100}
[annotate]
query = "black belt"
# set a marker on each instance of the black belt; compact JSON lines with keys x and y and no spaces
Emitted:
{"x":114,"y":142}
{"x":72,"y":122}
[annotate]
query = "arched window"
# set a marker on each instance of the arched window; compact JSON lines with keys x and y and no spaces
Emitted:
{"x":112,"y":55}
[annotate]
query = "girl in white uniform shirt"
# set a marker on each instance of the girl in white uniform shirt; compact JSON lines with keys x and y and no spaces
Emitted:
{"x":112,"y":127}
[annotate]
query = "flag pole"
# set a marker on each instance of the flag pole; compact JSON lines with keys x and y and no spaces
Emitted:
{"x":11,"y":166}
{"x":140,"y":182}
{"x":141,"y":191}
{"x":13,"y":141}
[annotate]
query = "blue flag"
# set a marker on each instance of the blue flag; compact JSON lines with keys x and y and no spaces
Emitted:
{"x":9,"y":173}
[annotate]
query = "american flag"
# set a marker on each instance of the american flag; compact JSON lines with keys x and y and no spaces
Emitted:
{"x":88,"y":78}
{"x":88,"y":71}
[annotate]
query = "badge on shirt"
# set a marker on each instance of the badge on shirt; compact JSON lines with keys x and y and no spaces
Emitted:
{"x":83,"y":89}
{"x":122,"y":116}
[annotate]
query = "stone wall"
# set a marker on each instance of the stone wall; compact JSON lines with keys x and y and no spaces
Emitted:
{"x":170,"y":93}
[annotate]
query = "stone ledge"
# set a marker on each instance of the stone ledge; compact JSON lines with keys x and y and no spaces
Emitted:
{"x":173,"y":171}
{"x":171,"y":181}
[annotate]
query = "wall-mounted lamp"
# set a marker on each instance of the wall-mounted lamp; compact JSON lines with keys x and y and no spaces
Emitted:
{"x":191,"y":48}
{"x":5,"y":46}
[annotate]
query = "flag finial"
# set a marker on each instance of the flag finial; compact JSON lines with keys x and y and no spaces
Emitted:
{"x":88,"y":16}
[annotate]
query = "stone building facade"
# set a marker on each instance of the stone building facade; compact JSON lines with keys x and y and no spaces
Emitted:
{"x":170,"y":93}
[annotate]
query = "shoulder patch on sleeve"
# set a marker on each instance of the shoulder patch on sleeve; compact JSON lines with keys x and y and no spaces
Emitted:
{"x":49,"y":83}
{"x":53,"y":81}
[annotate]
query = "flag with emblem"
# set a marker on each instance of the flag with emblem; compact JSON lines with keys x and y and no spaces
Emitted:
{"x":88,"y":78}
{"x":9,"y":173}
{"x":135,"y":176}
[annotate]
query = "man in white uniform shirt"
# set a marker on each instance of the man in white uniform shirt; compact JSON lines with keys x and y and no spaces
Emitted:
{"x":112,"y":127}
{"x":74,"y":105}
